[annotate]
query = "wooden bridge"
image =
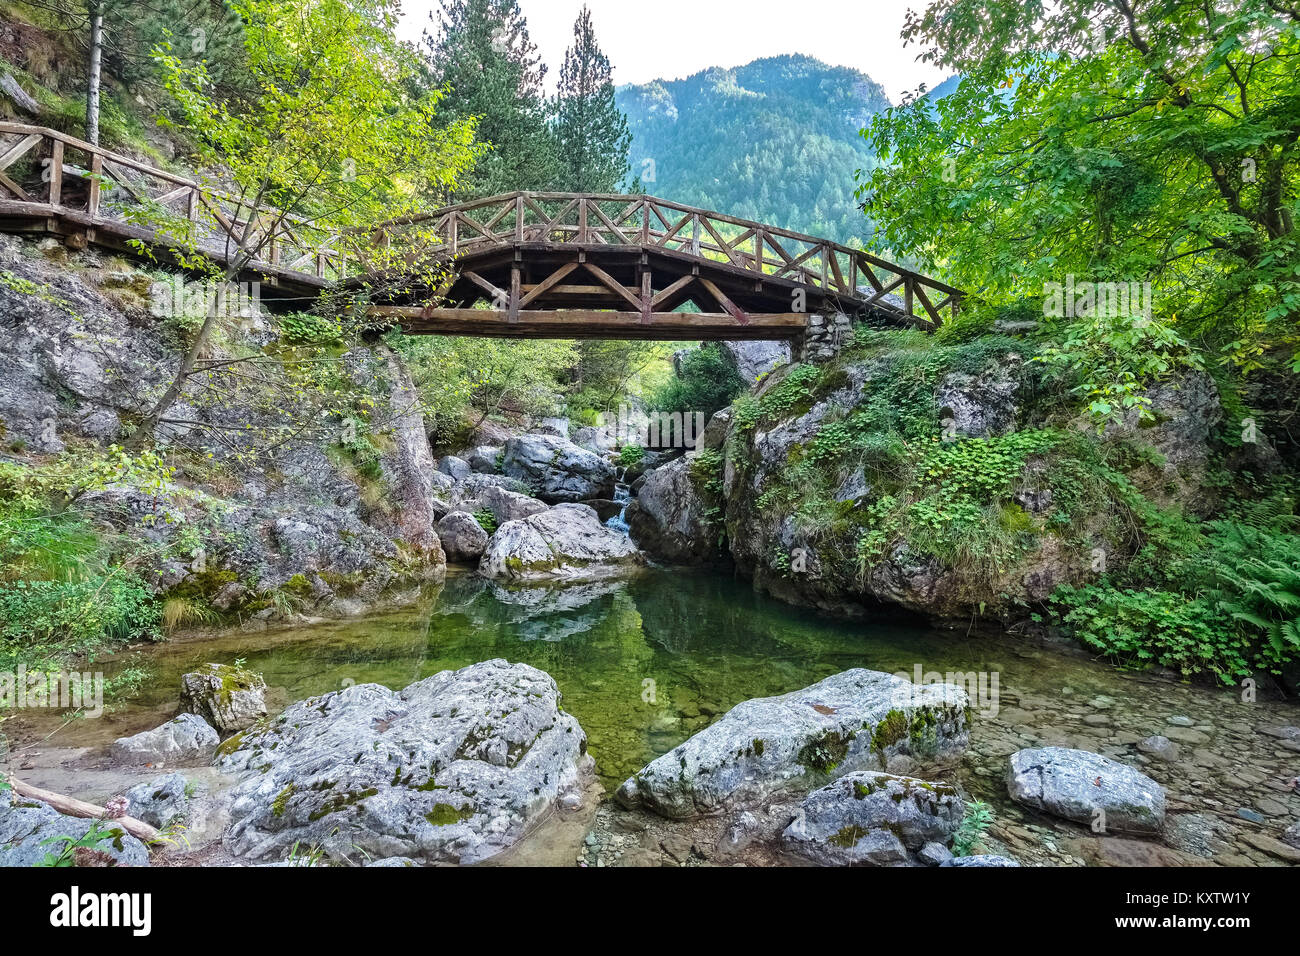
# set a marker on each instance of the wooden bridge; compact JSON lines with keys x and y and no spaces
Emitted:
{"x":527,"y":264}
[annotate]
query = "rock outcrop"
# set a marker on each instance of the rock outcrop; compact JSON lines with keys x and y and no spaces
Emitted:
{"x":557,"y":469}
{"x":855,"y":720}
{"x":227,"y":697}
{"x":455,"y":768}
{"x":670,"y":519}
{"x":1087,"y":788}
{"x":165,"y":802}
{"x":566,"y":543}
{"x":25,"y":827}
{"x":875,"y":818}
{"x":186,"y":739}
{"x":463,"y":538}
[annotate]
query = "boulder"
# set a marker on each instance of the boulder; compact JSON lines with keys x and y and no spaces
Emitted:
{"x":227,"y":697}
{"x":855,"y":720}
{"x":834,"y":824}
{"x":567,"y":543}
{"x":980,"y":406}
{"x":753,"y":360}
{"x":455,"y":468}
{"x":455,"y":768}
{"x":559,"y":470}
{"x":668,"y":517}
{"x":506,"y":504}
{"x":463,"y":538}
{"x":559,"y":427}
{"x":1087,"y":788}
{"x":24,"y":828}
{"x":485,"y":459}
{"x":594,"y":439}
{"x":186,"y":739}
{"x":164,"y":802}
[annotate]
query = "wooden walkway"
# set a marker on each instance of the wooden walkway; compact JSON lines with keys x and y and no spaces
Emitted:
{"x":543,"y":265}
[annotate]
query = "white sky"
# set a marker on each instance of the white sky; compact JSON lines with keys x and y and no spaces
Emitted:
{"x":670,"y":39}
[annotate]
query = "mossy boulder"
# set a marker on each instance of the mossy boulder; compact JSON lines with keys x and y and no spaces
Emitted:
{"x":855,"y":720}
{"x":228,"y":697}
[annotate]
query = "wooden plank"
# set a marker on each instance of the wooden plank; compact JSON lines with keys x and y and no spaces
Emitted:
{"x":18,"y":150}
{"x":728,"y":306}
{"x":498,"y":295}
{"x":18,"y":192}
{"x":607,"y":280}
{"x":549,"y":282}
{"x":591,"y":323}
{"x":96,"y":174}
{"x":672,"y":290}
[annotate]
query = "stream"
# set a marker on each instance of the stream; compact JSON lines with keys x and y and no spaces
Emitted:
{"x":645,"y":663}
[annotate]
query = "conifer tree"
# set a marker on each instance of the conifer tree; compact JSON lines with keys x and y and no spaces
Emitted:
{"x":591,"y":132}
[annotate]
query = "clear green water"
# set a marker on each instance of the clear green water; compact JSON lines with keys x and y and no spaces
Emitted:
{"x":642,"y":664}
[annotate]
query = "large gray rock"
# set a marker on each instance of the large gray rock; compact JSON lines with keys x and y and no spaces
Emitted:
{"x":832,"y":825}
{"x":501,"y":496}
{"x":164,"y":802}
{"x":592,"y":438}
{"x":855,"y":720}
{"x":753,"y":360}
{"x":227,"y":697}
{"x":455,"y":468}
{"x":186,"y":739}
{"x":980,"y":406}
{"x":668,"y":517}
{"x":566,"y":543}
{"x":25,"y":827}
{"x":1087,"y":788}
{"x":558,"y":469}
{"x":485,"y":459}
{"x":455,"y":768}
{"x":463,"y":538}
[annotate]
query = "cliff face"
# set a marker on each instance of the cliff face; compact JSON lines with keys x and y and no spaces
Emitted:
{"x":948,"y":479}
{"x":302,"y":470}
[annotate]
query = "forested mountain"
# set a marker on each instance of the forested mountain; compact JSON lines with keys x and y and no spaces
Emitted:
{"x":774,"y":140}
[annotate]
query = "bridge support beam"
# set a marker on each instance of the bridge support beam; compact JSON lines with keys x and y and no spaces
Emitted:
{"x":594,"y":324}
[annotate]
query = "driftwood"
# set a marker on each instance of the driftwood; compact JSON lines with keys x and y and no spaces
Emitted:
{"x":20,"y":96}
{"x":72,"y":807}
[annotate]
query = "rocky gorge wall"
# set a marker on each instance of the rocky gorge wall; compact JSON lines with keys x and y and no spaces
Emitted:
{"x":303,"y":476}
{"x":851,"y":482}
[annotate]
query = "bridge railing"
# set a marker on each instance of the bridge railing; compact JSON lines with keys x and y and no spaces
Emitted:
{"x":46,"y":173}
{"x":587,"y":219}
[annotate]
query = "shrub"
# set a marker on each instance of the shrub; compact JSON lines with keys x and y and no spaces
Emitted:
{"x":707,"y":382}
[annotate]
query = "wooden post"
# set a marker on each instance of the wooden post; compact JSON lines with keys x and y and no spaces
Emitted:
{"x":519,"y":218}
{"x":647,"y":290}
{"x":695,"y":234}
{"x":514,"y":288}
{"x":582,"y":219}
{"x":92,"y":198}
{"x":56,"y":172}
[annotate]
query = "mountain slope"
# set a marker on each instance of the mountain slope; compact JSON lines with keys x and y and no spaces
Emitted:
{"x":775,"y":140}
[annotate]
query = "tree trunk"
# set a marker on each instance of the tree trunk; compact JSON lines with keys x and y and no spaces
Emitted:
{"x":93,"y":71}
{"x":72,"y":807}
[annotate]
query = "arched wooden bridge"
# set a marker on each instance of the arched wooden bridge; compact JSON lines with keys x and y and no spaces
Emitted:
{"x":527,"y":264}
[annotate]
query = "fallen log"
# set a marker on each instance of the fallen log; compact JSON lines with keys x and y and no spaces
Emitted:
{"x":19,"y":96}
{"x":70,"y":806}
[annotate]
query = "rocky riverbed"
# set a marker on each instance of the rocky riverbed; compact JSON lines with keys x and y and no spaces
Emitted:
{"x":1226,"y":766}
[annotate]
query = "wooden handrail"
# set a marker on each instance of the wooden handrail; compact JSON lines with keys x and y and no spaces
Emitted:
{"x":767,"y":252}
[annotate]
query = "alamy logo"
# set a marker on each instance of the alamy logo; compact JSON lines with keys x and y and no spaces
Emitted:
{"x":73,"y":909}
{"x":1107,"y":300}
{"x":54,"y":690}
{"x":229,"y":300}
{"x":659,"y":429}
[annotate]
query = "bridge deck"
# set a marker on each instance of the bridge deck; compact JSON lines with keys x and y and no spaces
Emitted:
{"x":553,"y":265}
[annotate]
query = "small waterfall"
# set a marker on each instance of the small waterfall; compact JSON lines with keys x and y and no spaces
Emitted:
{"x":622,"y":494}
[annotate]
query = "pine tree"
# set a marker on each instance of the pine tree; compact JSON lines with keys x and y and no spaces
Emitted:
{"x":483,"y":54}
{"x":591,"y":132}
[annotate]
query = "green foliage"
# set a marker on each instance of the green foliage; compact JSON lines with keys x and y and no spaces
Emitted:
{"x":80,"y":616}
{"x":1142,"y":142}
{"x":591,"y":135}
{"x":1112,"y":360}
{"x":66,"y":847}
{"x":482,"y":56}
{"x":487,"y":520}
{"x":706,"y":383}
{"x":630,"y":455}
{"x":974,"y":824}
{"x":303,"y":328}
{"x":1220,"y":599}
{"x":771,"y":141}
